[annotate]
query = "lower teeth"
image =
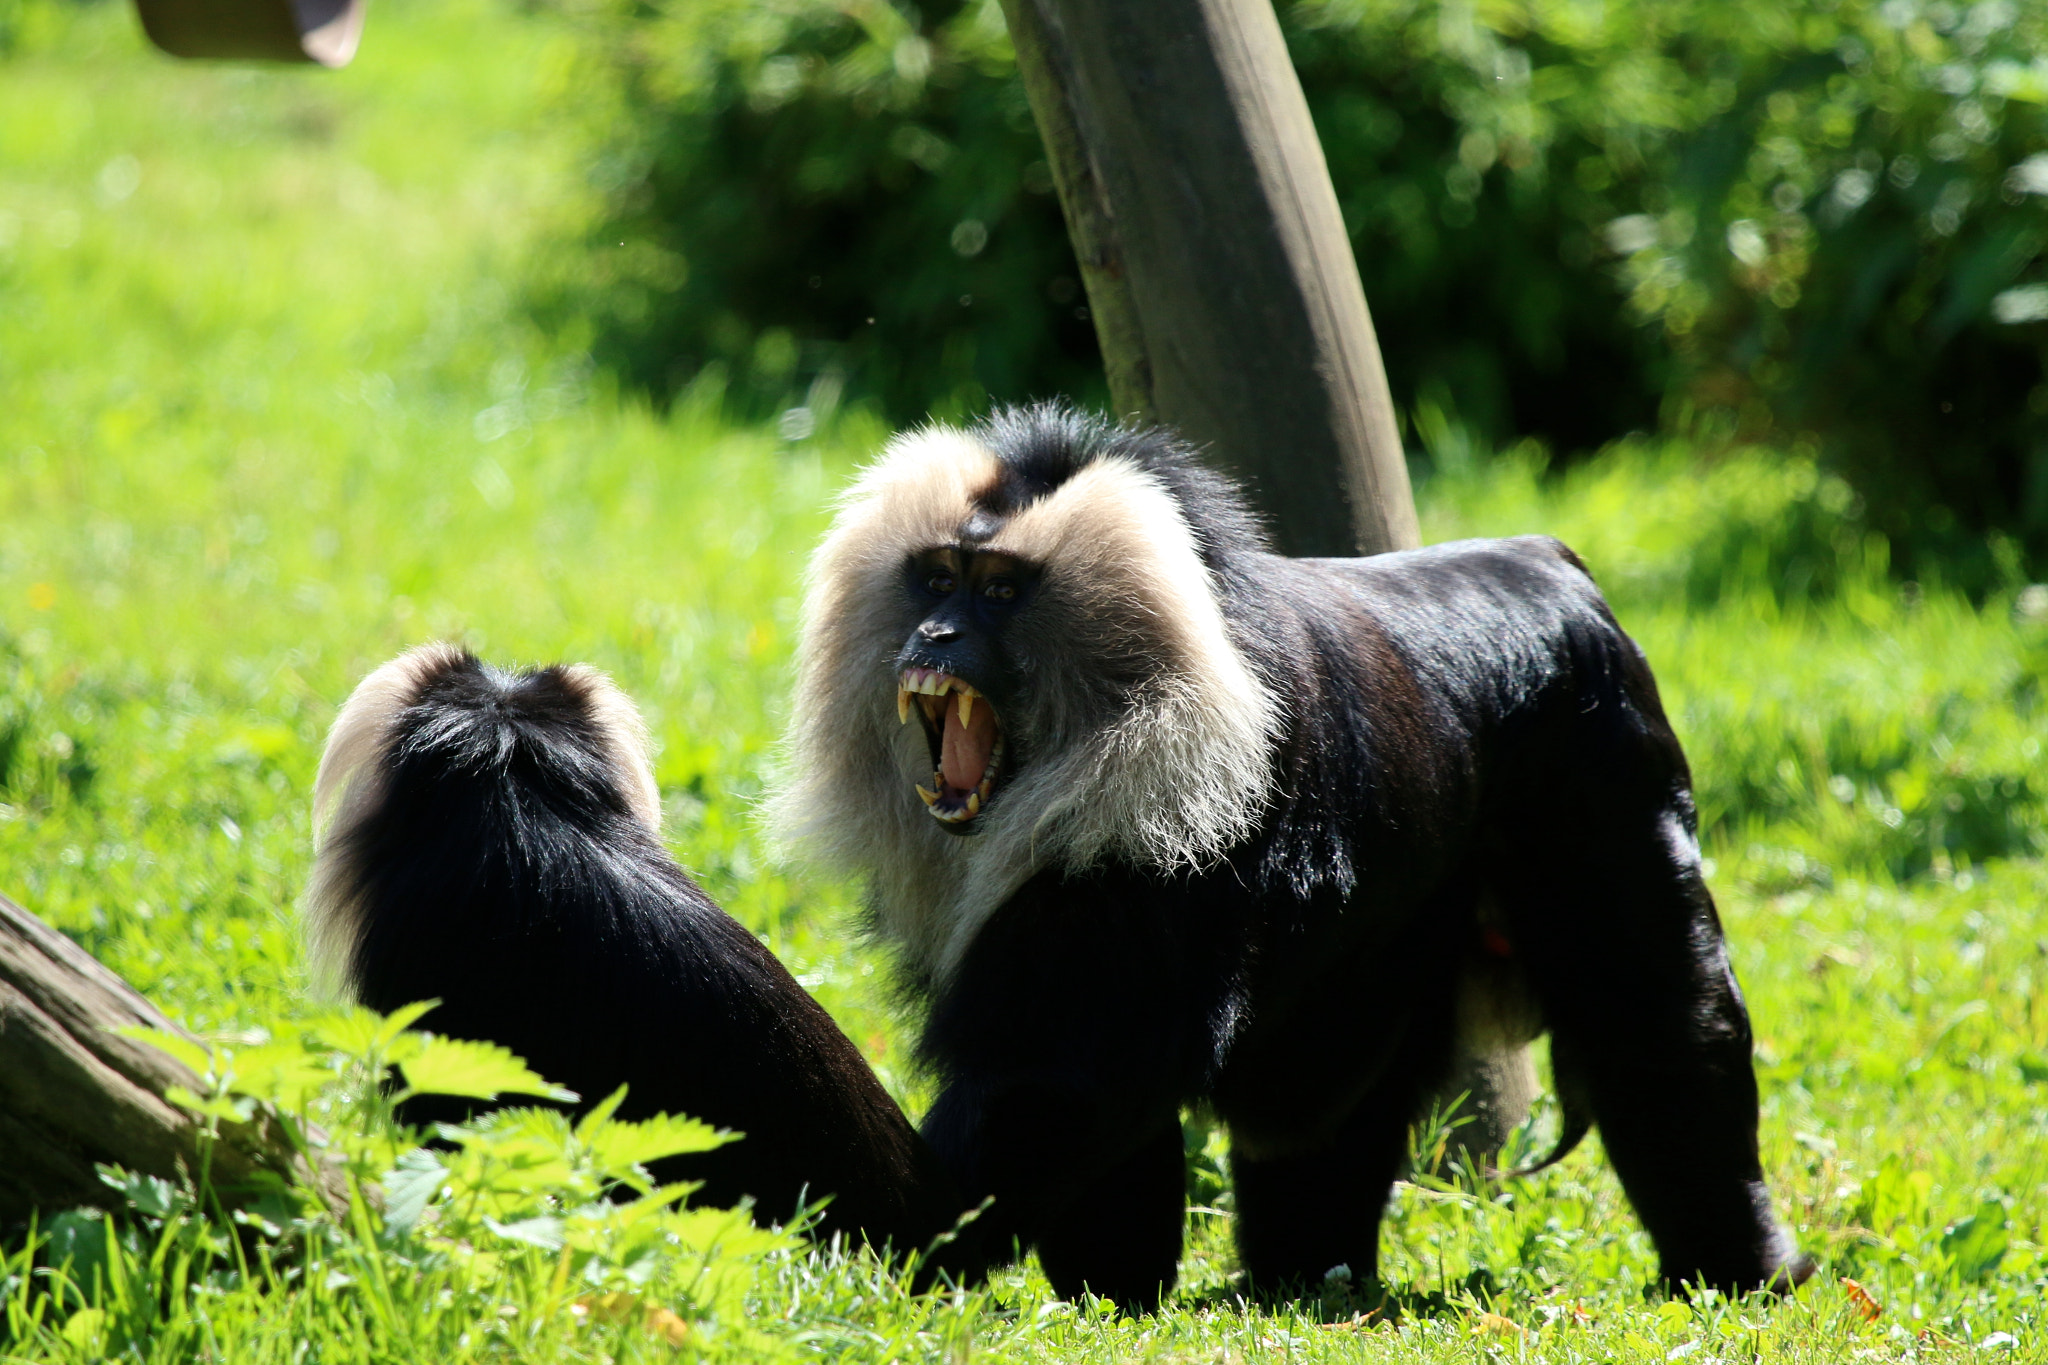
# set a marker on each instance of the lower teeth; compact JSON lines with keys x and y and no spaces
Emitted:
{"x":941,"y":799}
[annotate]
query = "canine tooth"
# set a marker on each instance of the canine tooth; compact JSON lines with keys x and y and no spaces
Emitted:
{"x":930,"y":798}
{"x":966,"y":697}
{"x":902,"y":706}
{"x":974,"y":803}
{"x":987,"y":784}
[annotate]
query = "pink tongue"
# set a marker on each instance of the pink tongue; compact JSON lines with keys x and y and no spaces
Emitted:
{"x":963,"y":757}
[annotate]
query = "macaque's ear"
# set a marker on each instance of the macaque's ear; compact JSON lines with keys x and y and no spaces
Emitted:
{"x":322,"y":31}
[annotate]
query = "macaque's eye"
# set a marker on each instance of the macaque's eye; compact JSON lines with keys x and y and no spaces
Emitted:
{"x":999,"y":590}
{"x":939,"y":583}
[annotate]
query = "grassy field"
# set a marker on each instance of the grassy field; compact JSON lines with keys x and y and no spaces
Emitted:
{"x":270,"y":411}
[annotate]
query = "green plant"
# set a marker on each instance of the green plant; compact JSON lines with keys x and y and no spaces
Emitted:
{"x":535,"y":1225}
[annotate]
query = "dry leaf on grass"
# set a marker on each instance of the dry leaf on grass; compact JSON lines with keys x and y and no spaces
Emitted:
{"x":1493,"y":1324}
{"x":618,"y":1308}
{"x":1862,"y":1301}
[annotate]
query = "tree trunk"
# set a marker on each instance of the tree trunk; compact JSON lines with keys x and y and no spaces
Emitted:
{"x":1225,"y":294}
{"x":74,"y":1093}
{"x":1217,"y":266}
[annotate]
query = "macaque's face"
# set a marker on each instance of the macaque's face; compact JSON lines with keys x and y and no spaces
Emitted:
{"x":1046,"y":613}
{"x":956,"y":672}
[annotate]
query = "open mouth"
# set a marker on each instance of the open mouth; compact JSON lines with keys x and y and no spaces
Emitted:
{"x":966,"y":742}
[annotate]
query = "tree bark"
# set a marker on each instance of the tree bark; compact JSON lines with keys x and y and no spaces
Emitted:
{"x":1225,"y":295}
{"x":1218,"y":271}
{"x":74,"y":1093}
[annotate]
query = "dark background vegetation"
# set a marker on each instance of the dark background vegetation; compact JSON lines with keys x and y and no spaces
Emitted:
{"x":1726,"y":219}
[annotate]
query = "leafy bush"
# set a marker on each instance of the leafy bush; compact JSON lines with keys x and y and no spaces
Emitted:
{"x":803,"y":191}
{"x":1746,"y":217}
{"x":1832,"y":216}
{"x":542,"y":1235}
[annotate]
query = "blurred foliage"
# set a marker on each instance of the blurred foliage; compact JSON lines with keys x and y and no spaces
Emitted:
{"x":1574,"y":220}
{"x":1829,"y":218}
{"x":805,"y":192}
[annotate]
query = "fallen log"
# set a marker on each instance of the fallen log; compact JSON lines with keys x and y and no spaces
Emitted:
{"x":75,"y":1093}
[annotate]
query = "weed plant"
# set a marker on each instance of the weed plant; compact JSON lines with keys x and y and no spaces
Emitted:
{"x":268,"y":415}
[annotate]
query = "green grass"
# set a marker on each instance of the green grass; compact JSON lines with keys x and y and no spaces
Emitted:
{"x":270,"y":412}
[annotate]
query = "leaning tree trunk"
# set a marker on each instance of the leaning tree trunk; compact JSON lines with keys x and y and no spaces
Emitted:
{"x":74,"y":1093}
{"x":1215,"y":258}
{"x":1225,"y":294}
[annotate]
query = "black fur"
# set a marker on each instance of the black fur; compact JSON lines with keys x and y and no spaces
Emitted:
{"x":504,"y":874}
{"x":1467,"y":725}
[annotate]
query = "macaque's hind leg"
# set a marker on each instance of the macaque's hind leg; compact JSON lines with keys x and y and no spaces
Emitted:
{"x":1302,"y":1215}
{"x":1621,"y":941}
{"x":1120,"y":1236}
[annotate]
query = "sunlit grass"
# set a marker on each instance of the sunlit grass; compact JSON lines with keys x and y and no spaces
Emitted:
{"x":269,"y":412}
